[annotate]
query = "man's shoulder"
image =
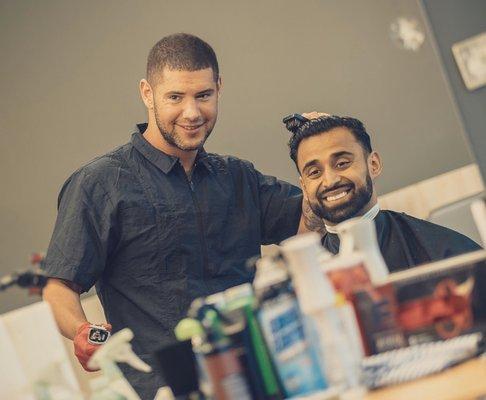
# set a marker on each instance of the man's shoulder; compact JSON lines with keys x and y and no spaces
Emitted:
{"x":105,"y":163}
{"x":431,"y":231}
{"x":242,"y":169}
{"x":414,"y":221}
{"x":112,"y":159}
{"x":102,"y":168}
{"x":228,"y":159}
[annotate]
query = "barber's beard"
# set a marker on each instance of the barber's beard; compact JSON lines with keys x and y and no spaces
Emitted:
{"x":175,"y":139}
{"x":360,"y":198}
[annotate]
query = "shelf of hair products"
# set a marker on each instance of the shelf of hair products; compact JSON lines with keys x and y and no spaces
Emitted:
{"x":317,"y":326}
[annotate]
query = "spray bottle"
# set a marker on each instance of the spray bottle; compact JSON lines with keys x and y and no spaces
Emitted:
{"x":281,"y":322}
{"x":317,"y":301}
{"x":112,"y":384}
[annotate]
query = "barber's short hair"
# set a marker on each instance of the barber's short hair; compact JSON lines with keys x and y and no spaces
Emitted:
{"x":326,"y":123}
{"x":181,"y":52}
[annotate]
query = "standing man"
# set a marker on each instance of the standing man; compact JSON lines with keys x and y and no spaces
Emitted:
{"x":338,"y":168}
{"x":158,"y":221}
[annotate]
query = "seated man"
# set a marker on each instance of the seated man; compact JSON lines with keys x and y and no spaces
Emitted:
{"x":337,"y":168}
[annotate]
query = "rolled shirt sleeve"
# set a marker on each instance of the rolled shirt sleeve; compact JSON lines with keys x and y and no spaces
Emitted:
{"x":84,"y":233}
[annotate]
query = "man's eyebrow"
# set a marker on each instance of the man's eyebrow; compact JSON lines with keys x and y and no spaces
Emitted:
{"x":207,"y":91}
{"x":342,"y":153}
{"x":175,"y":92}
{"x":310,"y":163}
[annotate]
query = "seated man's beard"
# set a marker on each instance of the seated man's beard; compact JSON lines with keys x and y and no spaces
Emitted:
{"x":360,"y":198}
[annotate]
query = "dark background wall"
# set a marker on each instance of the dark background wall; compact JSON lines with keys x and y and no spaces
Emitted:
{"x":453,"y":21}
{"x":70,"y":70}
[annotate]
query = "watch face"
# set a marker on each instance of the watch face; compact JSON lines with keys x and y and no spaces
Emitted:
{"x":98,"y":335}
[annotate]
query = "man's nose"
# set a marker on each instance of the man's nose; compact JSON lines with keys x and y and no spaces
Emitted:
{"x":331,"y":178}
{"x":191,"y":110}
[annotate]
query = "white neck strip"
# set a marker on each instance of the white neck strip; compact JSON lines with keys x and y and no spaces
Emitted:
{"x":371,"y":215}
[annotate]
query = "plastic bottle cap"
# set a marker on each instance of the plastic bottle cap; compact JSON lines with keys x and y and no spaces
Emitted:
{"x":360,"y":234}
{"x":164,"y":393}
{"x":313,"y":288}
{"x":301,"y":241}
{"x":236,"y":292}
{"x":268,"y":273}
{"x":188,"y":328}
{"x":216,"y":299}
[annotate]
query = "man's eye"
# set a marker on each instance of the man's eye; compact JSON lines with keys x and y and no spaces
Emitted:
{"x":313,"y":173}
{"x":174,"y":97}
{"x":342,"y":164}
{"x":204,"y":96}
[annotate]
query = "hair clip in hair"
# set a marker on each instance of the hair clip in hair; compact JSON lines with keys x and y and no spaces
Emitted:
{"x":294,"y":122}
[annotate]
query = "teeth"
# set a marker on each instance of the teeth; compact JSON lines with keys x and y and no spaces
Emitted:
{"x":191,"y":128}
{"x":337,"y":197}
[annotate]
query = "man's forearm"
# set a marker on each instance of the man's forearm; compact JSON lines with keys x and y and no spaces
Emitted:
{"x":66,"y":306}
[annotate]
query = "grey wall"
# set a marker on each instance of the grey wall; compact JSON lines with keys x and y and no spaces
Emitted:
{"x":69,"y":75}
{"x":451,"y":22}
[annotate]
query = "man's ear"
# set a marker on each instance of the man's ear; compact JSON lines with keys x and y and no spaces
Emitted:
{"x":147,"y":94}
{"x":375,"y":165}
{"x":219,"y":86}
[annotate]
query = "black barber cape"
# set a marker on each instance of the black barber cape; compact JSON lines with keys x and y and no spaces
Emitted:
{"x":406,"y":241}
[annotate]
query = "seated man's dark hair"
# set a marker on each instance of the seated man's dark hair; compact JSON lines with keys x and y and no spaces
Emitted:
{"x":326,"y":123}
{"x":180,"y":52}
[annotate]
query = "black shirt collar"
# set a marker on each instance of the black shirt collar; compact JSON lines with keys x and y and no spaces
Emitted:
{"x":163,"y":161}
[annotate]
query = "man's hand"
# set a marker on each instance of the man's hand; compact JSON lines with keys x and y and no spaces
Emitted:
{"x":312,"y":223}
{"x":88,"y":339}
{"x":315,"y":114}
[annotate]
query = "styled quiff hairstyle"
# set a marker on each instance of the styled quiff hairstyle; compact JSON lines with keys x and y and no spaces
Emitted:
{"x":326,"y":123}
{"x":180,"y":52}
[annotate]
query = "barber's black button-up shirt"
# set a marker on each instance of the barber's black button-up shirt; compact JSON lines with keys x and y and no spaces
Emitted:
{"x":152,"y":240}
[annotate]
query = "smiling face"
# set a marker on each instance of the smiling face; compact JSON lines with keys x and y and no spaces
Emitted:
{"x":336,"y":175}
{"x":184,"y":106}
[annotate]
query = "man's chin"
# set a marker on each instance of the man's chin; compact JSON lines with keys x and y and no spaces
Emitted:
{"x":337,"y":219}
{"x":191,"y":146}
{"x":337,"y":215}
{"x":187,"y":145}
